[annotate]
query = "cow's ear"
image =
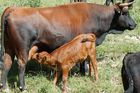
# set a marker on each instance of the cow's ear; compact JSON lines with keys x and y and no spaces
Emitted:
{"x":118,"y":11}
{"x":117,"y":8}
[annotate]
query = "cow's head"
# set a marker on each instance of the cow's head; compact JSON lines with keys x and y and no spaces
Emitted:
{"x":122,"y":19}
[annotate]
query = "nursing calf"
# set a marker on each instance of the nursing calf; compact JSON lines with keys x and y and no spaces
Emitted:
{"x":131,"y":73}
{"x":65,"y":57}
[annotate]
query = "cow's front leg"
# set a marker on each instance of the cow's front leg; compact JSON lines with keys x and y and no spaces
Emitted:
{"x":22,"y":60}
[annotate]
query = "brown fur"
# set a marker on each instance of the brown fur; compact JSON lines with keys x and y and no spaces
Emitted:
{"x":65,"y":57}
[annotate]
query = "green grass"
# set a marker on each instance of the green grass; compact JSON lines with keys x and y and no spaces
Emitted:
{"x":109,"y":57}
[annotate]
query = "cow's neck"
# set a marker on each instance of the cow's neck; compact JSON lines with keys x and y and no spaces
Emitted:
{"x":103,"y":18}
{"x":103,"y":21}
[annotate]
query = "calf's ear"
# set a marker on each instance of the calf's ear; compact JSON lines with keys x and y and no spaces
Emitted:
{"x":44,"y":59}
{"x":37,"y":56}
{"x":84,"y":40}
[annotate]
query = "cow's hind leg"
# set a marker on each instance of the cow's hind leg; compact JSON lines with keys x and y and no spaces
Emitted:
{"x":8,"y":57}
{"x":22,"y":60}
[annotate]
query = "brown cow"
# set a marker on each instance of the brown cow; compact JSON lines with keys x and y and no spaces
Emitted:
{"x":52,"y":27}
{"x":65,"y":57}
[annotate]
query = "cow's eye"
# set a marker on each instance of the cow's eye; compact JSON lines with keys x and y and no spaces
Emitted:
{"x":125,"y":13}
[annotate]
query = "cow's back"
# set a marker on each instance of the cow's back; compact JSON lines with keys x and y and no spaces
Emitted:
{"x":60,"y":24}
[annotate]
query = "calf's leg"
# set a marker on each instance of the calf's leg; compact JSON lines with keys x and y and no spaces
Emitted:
{"x":64,"y":80}
{"x":94,"y":65}
{"x":90,"y":68}
{"x":56,"y":76}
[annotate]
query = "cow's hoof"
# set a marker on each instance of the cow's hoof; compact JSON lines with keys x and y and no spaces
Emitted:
{"x":1,"y":85}
{"x":4,"y":89}
{"x":22,"y":88}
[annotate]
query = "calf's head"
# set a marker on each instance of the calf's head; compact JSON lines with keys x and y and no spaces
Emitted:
{"x":45,"y":58}
{"x":40,"y":57}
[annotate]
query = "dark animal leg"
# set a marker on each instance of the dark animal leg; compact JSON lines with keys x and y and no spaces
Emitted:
{"x":112,"y":1}
{"x":83,"y":68}
{"x":7,"y":62}
{"x":21,"y":66}
{"x":107,"y":2}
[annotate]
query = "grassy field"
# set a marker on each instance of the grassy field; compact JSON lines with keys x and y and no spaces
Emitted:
{"x":109,"y":57}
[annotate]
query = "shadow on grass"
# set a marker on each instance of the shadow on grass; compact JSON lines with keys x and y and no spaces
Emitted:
{"x":32,"y":69}
{"x":35,"y":69}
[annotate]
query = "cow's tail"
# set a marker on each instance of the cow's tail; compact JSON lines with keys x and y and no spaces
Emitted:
{"x":126,"y":75}
{"x":2,"y":35}
{"x":5,"y":14}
